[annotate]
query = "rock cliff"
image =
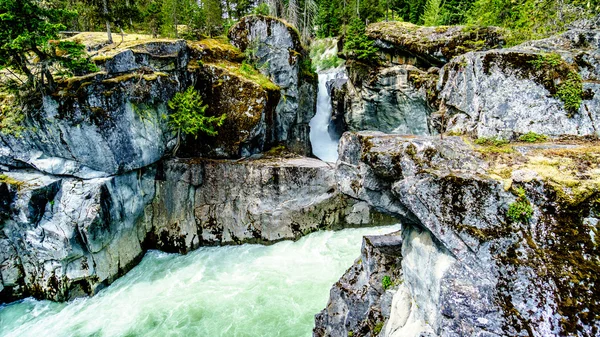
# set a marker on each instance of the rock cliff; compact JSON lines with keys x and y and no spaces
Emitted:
{"x":548,"y":86}
{"x":494,"y":242}
{"x":277,"y":50}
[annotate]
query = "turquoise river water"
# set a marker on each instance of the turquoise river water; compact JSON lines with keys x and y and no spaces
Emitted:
{"x":248,"y":290}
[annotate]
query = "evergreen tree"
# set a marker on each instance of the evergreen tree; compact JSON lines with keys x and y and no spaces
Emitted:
{"x":28,"y":29}
{"x":432,"y":13}
{"x":357,"y":44}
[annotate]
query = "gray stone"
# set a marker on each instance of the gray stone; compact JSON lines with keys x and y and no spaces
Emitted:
{"x":277,"y":49}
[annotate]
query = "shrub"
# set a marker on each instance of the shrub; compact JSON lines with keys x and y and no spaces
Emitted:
{"x":520,"y":210}
{"x":377,"y":328}
{"x":532,"y":137}
{"x":262,"y":9}
{"x":570,"y":91}
{"x":386,"y":282}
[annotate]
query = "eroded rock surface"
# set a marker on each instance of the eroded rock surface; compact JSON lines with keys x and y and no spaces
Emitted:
{"x":548,"y":86}
{"x":67,"y":237}
{"x":64,"y":237}
{"x":277,"y":49}
{"x":205,"y":202}
{"x":360,"y":301}
{"x":471,"y":264}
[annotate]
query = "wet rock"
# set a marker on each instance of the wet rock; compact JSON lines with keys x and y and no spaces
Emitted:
{"x":386,"y":100}
{"x":471,"y":265}
{"x":67,"y":237}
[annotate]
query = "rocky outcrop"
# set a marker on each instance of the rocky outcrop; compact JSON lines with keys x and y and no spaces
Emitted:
{"x":116,"y":120}
{"x":277,"y":50}
{"x":548,"y":86}
{"x":494,"y":243}
{"x":398,"y":95}
{"x":360,"y":302}
{"x":406,"y":43}
{"x":67,"y":237}
{"x":206,"y":202}
{"x":388,"y":100}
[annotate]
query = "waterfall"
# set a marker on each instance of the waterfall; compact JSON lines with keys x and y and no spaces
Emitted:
{"x":323,"y":146}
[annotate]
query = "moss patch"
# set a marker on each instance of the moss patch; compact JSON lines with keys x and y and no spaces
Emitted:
{"x":249,"y":72}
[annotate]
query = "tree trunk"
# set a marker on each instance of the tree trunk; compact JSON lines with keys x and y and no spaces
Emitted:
{"x":105,"y":10}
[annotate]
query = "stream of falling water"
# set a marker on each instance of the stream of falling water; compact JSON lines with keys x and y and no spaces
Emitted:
{"x":323,"y":146}
{"x":248,"y":290}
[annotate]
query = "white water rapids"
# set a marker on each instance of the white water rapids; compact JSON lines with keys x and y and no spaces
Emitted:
{"x":248,"y":290}
{"x":323,"y":146}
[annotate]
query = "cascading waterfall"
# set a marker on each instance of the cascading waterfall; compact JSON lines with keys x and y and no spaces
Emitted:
{"x":323,"y":146}
{"x":248,"y":290}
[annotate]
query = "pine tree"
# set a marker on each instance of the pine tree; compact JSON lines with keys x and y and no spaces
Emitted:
{"x":357,"y":44}
{"x":431,"y":16}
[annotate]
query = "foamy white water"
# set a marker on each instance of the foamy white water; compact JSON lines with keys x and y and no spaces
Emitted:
{"x":248,"y":290}
{"x":323,"y":146}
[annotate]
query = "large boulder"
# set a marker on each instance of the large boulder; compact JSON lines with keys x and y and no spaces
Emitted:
{"x":391,"y":100}
{"x":277,"y":50}
{"x":494,"y":243}
{"x":548,"y":86}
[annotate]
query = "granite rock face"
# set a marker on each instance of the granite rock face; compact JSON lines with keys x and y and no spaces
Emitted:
{"x":491,"y":244}
{"x":116,"y":120}
{"x":530,"y":87}
{"x":384,"y":100}
{"x":205,"y":202}
{"x":277,"y":50}
{"x":360,"y":301}
{"x":64,"y":237}
{"x":67,"y":237}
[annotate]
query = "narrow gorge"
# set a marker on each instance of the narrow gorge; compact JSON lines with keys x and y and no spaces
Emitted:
{"x":448,"y":187}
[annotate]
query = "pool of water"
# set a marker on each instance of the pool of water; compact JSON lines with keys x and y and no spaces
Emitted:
{"x":248,"y":290}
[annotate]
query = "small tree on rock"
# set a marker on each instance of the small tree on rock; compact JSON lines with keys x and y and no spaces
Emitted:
{"x":188,"y":116}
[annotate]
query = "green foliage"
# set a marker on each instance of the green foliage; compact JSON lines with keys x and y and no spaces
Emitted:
{"x":11,"y":118}
{"x":570,"y":88}
{"x":248,"y":71}
{"x":386,"y":282}
{"x":570,"y":92}
{"x":530,"y":19}
{"x":432,"y":14}
{"x":492,"y":141}
{"x":188,"y":116}
{"x":377,"y":328}
{"x":532,"y":137}
{"x":357,"y":44}
{"x":74,"y":58}
{"x":261,"y":9}
{"x":30,"y":28}
{"x":520,"y":210}
{"x":545,"y":61}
